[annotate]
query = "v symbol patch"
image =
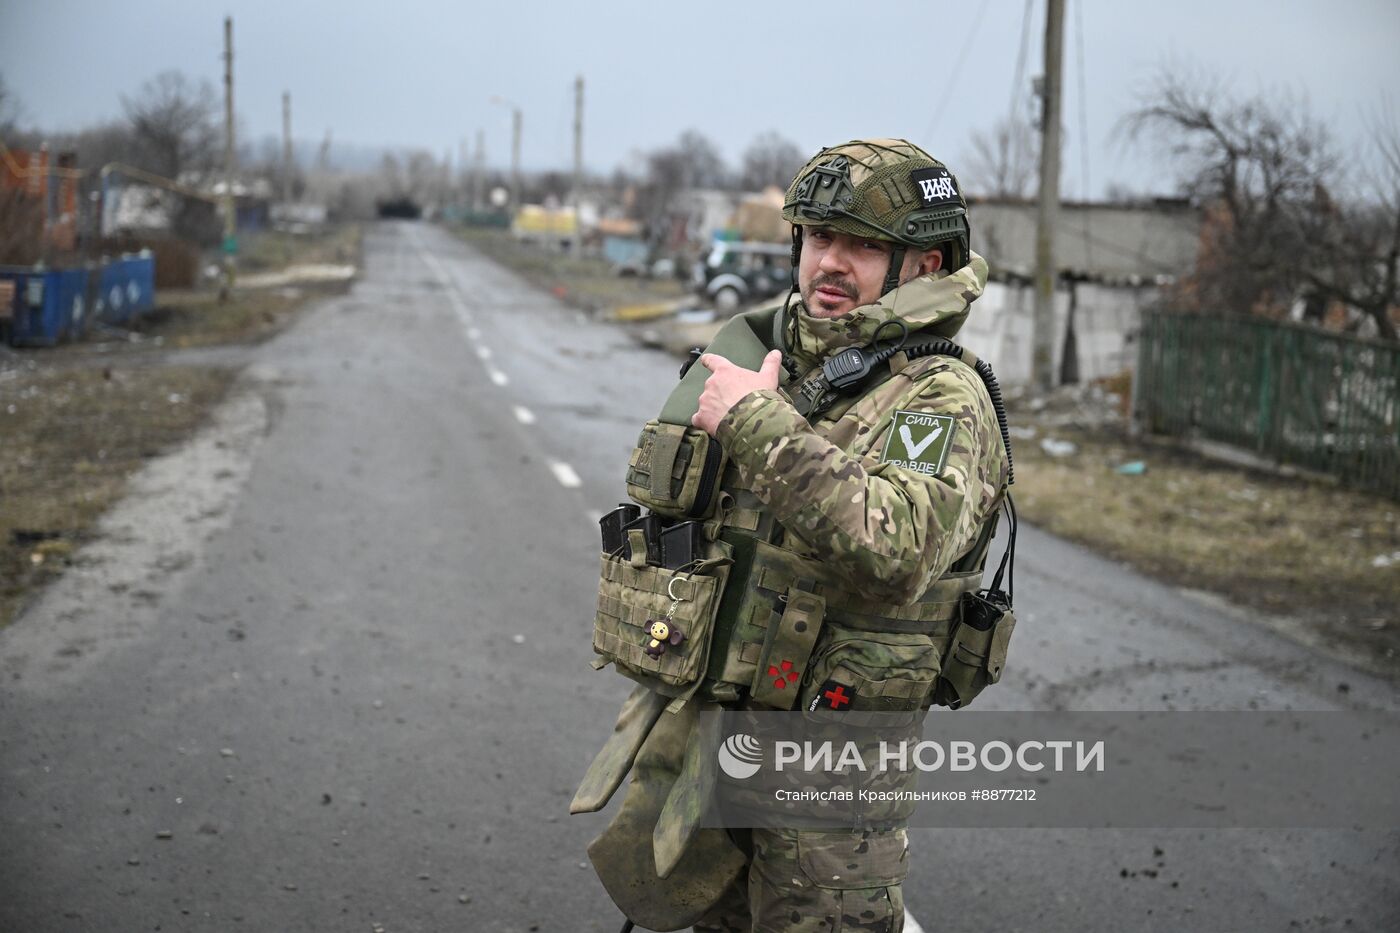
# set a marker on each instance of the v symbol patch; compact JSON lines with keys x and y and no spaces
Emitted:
{"x":916,"y":449}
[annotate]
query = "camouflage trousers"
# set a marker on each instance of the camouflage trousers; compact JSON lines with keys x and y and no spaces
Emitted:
{"x":804,"y":882}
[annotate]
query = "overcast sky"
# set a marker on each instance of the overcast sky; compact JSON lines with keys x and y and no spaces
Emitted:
{"x":418,"y":73}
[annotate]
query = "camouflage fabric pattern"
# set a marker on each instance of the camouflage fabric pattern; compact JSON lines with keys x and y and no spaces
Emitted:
{"x":883,"y":530}
{"x":811,"y":882}
{"x":932,"y":306}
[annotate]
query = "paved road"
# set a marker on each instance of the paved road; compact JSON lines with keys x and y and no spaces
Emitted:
{"x":337,"y":650}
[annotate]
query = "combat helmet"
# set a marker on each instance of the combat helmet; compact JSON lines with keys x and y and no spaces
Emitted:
{"x":886,"y":189}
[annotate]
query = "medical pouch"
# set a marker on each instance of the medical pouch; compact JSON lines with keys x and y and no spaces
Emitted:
{"x":976,"y":653}
{"x":675,"y":470}
{"x":853,"y":669}
{"x":787,"y":648}
{"x":656,"y":624}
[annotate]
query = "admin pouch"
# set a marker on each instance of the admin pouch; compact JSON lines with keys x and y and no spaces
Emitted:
{"x":674,"y":470}
{"x":633,"y":595}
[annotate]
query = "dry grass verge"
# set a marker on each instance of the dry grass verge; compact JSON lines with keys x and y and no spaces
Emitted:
{"x":199,"y":319}
{"x":78,"y":420}
{"x":1327,"y":556}
{"x":584,"y":282}
{"x":72,"y":438}
{"x":273,"y":249}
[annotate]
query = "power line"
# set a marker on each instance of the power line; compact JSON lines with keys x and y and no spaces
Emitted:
{"x":950,"y":85}
{"x":1084,"y":143}
{"x":1083,"y":125}
{"x":1020,"y":74}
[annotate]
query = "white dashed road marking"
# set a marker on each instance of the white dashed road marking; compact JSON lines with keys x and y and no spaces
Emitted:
{"x":498,"y":377}
{"x":565,"y":474}
{"x":483,"y":351}
{"x":523,"y":414}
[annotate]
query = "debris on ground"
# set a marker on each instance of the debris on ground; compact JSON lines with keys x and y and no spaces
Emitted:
{"x":1381,"y":561}
{"x":1058,"y":448}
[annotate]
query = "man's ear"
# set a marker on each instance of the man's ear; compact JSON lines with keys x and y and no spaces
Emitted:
{"x":931,"y":261}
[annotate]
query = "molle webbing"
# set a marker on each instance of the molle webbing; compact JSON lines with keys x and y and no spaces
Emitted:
{"x":929,"y":615}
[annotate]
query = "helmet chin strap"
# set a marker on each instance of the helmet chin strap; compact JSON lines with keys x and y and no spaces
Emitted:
{"x":896,"y":267}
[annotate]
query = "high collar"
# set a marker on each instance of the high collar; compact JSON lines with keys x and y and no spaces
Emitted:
{"x":931,"y":306}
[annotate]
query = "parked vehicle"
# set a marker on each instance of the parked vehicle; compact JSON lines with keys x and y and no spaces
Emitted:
{"x":736,"y":273}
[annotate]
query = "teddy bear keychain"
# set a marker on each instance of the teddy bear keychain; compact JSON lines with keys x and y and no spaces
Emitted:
{"x":663,"y":631}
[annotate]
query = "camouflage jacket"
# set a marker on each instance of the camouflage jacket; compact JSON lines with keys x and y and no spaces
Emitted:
{"x":879,"y":495}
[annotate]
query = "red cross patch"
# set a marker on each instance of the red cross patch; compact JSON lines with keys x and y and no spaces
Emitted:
{"x":832,"y":695}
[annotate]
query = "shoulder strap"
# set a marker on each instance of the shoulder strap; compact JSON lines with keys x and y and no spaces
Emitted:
{"x":742,"y":340}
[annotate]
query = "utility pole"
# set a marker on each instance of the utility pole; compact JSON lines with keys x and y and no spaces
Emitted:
{"x":576,"y":241}
{"x":1043,"y":322}
{"x":230,"y":212}
{"x":515,"y":127}
{"x":463,"y":176}
{"x":479,"y":170}
{"x":323,"y":167}
{"x":578,"y":140}
{"x":286,"y":147}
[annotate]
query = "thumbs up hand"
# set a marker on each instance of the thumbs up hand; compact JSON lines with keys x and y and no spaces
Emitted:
{"x":728,"y":383}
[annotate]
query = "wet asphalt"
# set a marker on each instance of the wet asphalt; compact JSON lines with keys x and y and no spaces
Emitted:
{"x":328,"y":669}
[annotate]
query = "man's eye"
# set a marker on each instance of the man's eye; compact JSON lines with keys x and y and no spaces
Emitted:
{"x":875,"y":245}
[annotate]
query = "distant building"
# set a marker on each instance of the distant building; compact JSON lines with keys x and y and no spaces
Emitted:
{"x":138,"y":209}
{"x":1113,"y":259}
{"x":696,"y":215}
{"x":299,"y":216}
{"x":50,"y":184}
{"x":1100,"y":242}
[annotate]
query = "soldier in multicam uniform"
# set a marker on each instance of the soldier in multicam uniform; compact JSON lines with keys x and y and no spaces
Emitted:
{"x":880,"y":501}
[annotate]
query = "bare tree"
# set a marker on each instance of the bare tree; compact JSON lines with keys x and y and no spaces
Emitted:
{"x":21,"y":216}
{"x":391,"y":175}
{"x":692,"y":162}
{"x":423,"y":177}
{"x":771,"y":159}
{"x":9,"y":109}
{"x":175,"y":124}
{"x":1258,"y":167}
{"x":1003,"y":160}
{"x":1358,"y":243}
{"x":699,"y":162}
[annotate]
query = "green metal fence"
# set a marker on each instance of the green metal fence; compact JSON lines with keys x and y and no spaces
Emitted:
{"x":1293,"y":394}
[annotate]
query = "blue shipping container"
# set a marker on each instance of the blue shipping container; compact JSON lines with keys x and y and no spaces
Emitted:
{"x":47,"y":304}
{"x":126,"y":288}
